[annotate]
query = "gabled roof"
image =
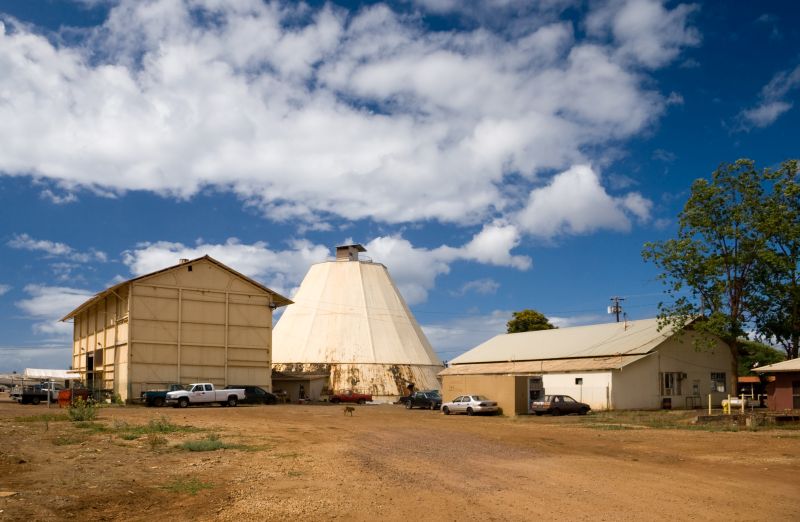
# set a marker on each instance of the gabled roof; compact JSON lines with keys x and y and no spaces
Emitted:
{"x":278,"y":299}
{"x":593,"y":341}
{"x":792,"y":365}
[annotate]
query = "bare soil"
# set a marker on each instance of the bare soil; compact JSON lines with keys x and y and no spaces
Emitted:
{"x":291,"y":462}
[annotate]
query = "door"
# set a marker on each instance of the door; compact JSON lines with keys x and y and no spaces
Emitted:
{"x":458,"y":404}
{"x":199,"y":394}
{"x":796,"y":395}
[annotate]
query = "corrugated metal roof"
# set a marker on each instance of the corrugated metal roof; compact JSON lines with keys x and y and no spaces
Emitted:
{"x":792,"y":365}
{"x":584,"y":364}
{"x":278,"y":299}
{"x":600,"y":340}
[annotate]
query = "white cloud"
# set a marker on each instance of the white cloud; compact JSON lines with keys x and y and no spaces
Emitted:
{"x":576,"y":203}
{"x":58,"y":199}
{"x":308,"y":113}
{"x":450,"y":338}
{"x":4,"y":289}
{"x":17,"y":358}
{"x":483,"y":286}
{"x":414,"y":269}
{"x":644,"y":30}
{"x":765,"y":114}
{"x":281,"y":270}
{"x":772,"y":101}
{"x":56,"y":249}
{"x":48,"y":304}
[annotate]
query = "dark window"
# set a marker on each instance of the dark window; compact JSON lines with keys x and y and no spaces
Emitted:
{"x":190,"y":268}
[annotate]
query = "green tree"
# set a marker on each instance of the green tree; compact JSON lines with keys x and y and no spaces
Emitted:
{"x":528,"y":321}
{"x":776,"y":309}
{"x":752,"y":353}
{"x":709,"y":269}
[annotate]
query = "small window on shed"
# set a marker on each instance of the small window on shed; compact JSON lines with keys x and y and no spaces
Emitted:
{"x":578,"y":380}
{"x":190,"y":268}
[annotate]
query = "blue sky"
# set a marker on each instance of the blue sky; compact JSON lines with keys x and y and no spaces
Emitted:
{"x":495,"y":155}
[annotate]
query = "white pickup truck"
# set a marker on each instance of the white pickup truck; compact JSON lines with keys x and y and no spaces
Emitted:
{"x":204,"y":393}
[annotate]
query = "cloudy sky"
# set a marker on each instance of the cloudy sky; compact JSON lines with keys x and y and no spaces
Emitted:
{"x":495,"y":155}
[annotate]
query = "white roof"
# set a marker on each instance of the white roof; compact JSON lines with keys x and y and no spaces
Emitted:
{"x":350,"y":312}
{"x":792,"y":365}
{"x":599,"y":340}
{"x":40,"y":373}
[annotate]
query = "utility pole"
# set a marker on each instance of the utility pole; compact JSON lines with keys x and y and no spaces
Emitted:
{"x":616,"y":308}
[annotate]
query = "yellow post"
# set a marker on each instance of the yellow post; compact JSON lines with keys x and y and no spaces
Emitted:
{"x":709,"y":404}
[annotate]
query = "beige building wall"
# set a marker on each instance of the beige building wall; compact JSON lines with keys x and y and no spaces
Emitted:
{"x":682,"y":354}
{"x":595,"y":389}
{"x":100,"y":340}
{"x":509,"y":391}
{"x":195,"y":322}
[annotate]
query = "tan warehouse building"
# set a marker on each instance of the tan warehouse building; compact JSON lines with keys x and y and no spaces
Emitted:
{"x":197,"y":321}
{"x":629,"y":365}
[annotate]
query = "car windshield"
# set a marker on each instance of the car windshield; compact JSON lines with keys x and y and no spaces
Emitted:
{"x":479,"y":398}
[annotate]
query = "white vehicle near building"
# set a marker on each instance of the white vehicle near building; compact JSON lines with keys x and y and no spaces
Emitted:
{"x":204,"y":393}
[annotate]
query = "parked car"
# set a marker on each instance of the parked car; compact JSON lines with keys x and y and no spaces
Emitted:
{"x":559,"y":404}
{"x":351,"y":396}
{"x":470,"y":404}
{"x":255,"y":394}
{"x":428,"y":399}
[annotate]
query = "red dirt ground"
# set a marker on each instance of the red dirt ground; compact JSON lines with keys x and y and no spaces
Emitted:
{"x":386,"y":463}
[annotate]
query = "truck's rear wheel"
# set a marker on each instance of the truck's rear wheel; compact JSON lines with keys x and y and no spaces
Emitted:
{"x":362,"y":401}
{"x":183,"y":402}
{"x":158,"y":402}
{"x":232,"y":401}
{"x":35,"y":400}
{"x":335,"y":401}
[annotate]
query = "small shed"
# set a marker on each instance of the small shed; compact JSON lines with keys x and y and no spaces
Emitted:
{"x":783,"y":384}
{"x":627,"y":365}
{"x":197,"y":321}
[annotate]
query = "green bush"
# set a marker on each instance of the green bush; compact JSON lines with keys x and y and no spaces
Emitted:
{"x":81,"y":411}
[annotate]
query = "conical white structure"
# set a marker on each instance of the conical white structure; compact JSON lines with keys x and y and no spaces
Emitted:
{"x":349,"y":320}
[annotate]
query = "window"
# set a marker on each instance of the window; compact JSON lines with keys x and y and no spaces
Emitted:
{"x":568,"y":399}
{"x":671,"y":383}
{"x":209,"y":387}
{"x":579,"y":380}
{"x":718,"y":382}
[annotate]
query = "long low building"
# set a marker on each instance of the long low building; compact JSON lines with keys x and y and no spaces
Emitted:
{"x":626,"y":365}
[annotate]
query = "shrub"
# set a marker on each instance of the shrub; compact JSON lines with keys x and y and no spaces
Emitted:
{"x":81,"y":411}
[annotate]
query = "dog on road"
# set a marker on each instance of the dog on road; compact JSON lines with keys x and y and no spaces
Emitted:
{"x":349,"y":409}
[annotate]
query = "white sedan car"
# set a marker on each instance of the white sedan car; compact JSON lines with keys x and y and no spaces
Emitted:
{"x":470,"y":404}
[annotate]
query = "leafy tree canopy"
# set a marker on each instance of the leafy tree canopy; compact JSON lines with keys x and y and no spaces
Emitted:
{"x":752,"y":352}
{"x":528,"y":321}
{"x":735,"y":262}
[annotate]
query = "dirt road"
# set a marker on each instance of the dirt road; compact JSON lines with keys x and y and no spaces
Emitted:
{"x":293,"y":462}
